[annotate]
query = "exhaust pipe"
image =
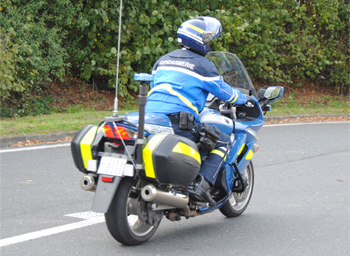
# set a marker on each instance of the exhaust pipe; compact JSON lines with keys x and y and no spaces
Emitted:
{"x":88,"y":183}
{"x":150,"y":193}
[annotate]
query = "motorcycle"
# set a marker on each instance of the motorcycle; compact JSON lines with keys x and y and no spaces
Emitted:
{"x":141,"y":171}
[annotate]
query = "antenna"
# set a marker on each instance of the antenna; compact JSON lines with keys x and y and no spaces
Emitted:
{"x":115,"y":117}
{"x":115,"y":110}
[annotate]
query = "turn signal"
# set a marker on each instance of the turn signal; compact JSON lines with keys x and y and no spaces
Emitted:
{"x":255,"y":147}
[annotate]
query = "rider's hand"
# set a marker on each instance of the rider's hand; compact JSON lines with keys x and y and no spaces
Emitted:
{"x":250,"y":102}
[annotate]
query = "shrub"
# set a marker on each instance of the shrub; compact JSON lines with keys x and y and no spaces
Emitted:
{"x":279,"y":41}
{"x":33,"y":44}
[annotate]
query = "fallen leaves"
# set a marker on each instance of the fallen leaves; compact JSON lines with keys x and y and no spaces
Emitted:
{"x":312,"y":119}
{"x":39,"y":142}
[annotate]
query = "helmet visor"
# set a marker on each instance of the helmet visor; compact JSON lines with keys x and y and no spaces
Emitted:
{"x":213,"y":26}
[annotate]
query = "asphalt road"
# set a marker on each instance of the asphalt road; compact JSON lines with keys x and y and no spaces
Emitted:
{"x":300,"y":203}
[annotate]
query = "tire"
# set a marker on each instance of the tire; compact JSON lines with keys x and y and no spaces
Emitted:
{"x":124,"y":227}
{"x":238,"y":202}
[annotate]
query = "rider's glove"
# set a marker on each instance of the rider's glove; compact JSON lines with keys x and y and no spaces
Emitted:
{"x":250,"y":102}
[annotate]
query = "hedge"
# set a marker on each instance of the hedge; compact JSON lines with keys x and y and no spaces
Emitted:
{"x":279,"y":41}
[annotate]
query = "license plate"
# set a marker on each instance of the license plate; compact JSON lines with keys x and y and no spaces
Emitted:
{"x":112,"y":166}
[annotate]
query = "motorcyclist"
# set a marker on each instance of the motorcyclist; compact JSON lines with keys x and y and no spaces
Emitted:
{"x":182,"y":81}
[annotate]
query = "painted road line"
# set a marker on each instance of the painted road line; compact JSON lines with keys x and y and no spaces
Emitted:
{"x":33,"y":148}
{"x":85,"y":215}
{"x":295,"y":124}
{"x":51,"y":231}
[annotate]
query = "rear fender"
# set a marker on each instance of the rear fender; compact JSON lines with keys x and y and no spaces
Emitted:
{"x":107,"y":185}
{"x":104,"y":194}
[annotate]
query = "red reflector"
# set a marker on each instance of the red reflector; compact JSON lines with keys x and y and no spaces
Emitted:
{"x":107,"y":179}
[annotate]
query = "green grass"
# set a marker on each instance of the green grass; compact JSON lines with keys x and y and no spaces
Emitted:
{"x":77,"y":117}
{"x":292,"y":105}
{"x":54,"y":123}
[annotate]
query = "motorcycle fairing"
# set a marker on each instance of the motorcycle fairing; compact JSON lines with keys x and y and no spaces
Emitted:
{"x":155,"y":123}
{"x":213,"y":117}
{"x":150,"y":118}
{"x":245,"y":156}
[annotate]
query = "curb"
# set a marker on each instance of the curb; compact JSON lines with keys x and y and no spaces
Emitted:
{"x":8,"y":141}
{"x":278,"y":118}
{"x":52,"y":137}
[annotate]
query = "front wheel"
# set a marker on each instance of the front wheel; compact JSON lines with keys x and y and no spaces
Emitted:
{"x":238,"y":202}
{"x":123,"y":223}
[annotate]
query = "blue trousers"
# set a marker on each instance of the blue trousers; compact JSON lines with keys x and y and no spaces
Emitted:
{"x":211,"y":166}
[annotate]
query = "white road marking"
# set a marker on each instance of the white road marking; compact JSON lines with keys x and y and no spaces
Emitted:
{"x":85,"y":215}
{"x":34,"y":148}
{"x":293,"y":124}
{"x":90,"y":219}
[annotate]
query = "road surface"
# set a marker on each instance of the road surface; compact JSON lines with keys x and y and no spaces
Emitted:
{"x":300,"y":203}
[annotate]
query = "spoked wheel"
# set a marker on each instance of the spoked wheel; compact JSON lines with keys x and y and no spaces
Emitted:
{"x":238,"y":202}
{"x":122,"y":219}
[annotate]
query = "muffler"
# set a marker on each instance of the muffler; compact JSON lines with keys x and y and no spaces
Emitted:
{"x":150,"y":193}
{"x":88,"y":183}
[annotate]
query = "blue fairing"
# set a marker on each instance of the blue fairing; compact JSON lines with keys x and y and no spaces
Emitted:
{"x":150,"y":118}
{"x":241,"y":126}
{"x":154,"y":123}
{"x":213,"y":117}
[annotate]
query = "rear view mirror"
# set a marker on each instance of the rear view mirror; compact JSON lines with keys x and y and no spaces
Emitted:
{"x":270,"y":93}
{"x":267,"y":95}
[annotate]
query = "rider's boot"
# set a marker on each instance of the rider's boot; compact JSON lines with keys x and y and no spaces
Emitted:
{"x":201,"y":191}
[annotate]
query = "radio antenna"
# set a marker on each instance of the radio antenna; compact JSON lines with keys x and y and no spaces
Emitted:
{"x":115,"y":110}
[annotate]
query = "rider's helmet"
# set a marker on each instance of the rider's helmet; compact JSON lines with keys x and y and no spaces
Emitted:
{"x":196,"y":34}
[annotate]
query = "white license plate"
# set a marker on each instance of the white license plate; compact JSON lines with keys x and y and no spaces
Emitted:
{"x":112,"y":166}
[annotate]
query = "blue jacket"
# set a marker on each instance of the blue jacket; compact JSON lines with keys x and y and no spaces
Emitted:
{"x":182,"y":82}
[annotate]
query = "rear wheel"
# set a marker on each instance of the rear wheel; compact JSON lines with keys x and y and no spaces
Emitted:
{"x":238,"y":202}
{"x":122,"y":219}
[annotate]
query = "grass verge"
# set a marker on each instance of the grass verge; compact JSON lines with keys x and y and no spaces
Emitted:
{"x":292,"y":104}
{"x":54,"y":123}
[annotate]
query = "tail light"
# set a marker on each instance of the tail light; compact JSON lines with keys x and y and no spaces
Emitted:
{"x":119,"y":132}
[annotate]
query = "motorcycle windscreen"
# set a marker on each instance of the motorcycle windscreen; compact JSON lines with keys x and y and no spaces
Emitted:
{"x":231,"y":68}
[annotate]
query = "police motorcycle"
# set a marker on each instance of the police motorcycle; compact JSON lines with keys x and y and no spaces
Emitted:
{"x":141,"y":171}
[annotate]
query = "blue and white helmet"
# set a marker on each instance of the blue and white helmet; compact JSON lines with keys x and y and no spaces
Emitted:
{"x":196,"y":34}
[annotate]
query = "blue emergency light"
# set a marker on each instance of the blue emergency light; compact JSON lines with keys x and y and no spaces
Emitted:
{"x":143,"y":77}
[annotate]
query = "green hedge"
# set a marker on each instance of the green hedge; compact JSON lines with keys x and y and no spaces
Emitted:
{"x":33,"y":46}
{"x":279,"y":41}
